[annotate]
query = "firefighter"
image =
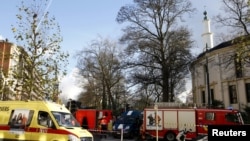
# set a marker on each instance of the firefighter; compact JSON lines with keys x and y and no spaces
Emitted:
{"x":141,"y":136}
{"x":104,"y":123}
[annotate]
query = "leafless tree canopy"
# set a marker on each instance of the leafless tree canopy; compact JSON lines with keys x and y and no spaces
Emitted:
{"x":157,"y":46}
{"x":234,"y":17}
{"x":100,"y":66}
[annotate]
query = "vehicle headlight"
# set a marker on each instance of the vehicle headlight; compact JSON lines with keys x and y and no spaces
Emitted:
{"x":73,"y":138}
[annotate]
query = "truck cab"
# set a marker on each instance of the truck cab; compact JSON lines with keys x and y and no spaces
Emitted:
{"x":128,"y":124}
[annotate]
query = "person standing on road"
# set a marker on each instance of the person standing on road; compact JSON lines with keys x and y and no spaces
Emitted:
{"x":104,"y":123}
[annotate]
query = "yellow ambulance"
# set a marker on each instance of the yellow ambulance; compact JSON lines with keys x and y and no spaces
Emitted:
{"x":39,"y":121}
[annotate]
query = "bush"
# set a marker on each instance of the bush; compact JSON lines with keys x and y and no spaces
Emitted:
{"x":218,"y":104}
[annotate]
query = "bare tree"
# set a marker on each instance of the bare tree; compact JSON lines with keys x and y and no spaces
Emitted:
{"x":99,"y":65}
{"x":235,"y":18}
{"x":158,"y":48}
{"x":146,"y":96}
{"x":42,"y":58}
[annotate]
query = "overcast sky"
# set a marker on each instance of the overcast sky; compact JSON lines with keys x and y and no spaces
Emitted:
{"x":83,"y":20}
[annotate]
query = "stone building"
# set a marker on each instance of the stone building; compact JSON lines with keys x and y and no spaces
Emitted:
{"x":218,"y":74}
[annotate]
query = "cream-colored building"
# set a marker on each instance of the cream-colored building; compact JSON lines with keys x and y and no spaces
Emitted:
{"x":227,"y":81}
{"x":14,"y":60}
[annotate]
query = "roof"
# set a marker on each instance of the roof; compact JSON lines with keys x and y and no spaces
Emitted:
{"x":226,"y":44}
{"x":52,"y":106}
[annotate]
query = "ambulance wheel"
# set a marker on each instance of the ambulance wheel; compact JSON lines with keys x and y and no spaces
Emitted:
{"x":170,"y":136}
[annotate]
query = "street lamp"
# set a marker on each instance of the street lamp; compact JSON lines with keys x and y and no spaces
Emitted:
{"x":156,"y":120}
{"x":207,"y":80}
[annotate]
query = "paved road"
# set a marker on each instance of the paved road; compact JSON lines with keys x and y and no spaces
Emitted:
{"x":109,"y":138}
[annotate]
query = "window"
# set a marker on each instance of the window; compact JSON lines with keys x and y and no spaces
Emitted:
{"x":248,"y":92}
{"x":232,"y":117}
{"x":65,"y":119}
{"x":238,"y":66}
{"x":212,"y":95}
{"x":232,"y":94}
{"x":43,"y":119}
{"x":20,"y":118}
{"x":203,"y":97}
{"x":210,"y":116}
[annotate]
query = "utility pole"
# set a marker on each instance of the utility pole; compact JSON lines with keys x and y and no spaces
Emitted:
{"x":207,"y":80}
{"x":156,"y":120}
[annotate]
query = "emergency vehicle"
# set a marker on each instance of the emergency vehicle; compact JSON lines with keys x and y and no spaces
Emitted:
{"x":165,"y":122}
{"x":128,"y":124}
{"x":90,"y":118}
{"x":39,"y":121}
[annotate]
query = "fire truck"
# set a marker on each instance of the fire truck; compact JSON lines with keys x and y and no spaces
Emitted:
{"x":164,"y":121}
{"x":89,"y":118}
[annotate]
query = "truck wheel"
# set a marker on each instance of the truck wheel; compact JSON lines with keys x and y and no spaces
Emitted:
{"x":170,"y":136}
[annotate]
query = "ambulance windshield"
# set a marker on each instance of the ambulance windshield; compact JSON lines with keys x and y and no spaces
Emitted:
{"x":65,"y":119}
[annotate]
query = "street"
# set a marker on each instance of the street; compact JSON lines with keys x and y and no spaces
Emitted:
{"x":109,"y":138}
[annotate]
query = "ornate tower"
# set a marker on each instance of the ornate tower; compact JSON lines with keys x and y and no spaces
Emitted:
{"x":207,"y":35}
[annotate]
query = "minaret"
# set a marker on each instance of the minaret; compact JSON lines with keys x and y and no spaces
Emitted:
{"x":207,"y":36}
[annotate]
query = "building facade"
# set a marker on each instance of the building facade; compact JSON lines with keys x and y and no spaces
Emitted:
{"x":13,"y":70}
{"x":7,"y":61}
{"x":217,"y":73}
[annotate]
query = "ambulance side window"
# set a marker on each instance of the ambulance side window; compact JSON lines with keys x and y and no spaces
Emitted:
{"x":210,"y":116}
{"x":20,"y":118}
{"x":43,"y":118}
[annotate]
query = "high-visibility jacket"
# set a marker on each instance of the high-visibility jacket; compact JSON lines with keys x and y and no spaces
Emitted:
{"x":104,"y":121}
